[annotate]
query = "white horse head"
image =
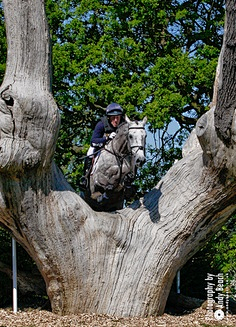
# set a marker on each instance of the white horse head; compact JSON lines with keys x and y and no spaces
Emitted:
{"x":137,"y":140}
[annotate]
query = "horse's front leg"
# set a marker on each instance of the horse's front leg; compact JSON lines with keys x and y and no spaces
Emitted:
{"x":109,"y":178}
{"x":114,"y":176}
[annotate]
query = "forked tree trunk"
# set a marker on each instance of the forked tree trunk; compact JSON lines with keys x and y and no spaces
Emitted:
{"x":119,"y":263}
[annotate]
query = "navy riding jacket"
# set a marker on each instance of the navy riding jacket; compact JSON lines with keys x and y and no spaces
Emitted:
{"x":103,"y":127}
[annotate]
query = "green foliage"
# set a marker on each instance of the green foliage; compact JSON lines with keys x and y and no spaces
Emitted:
{"x":5,"y":257}
{"x":217,"y":256}
{"x":24,"y":263}
{"x":222,"y":248}
{"x":155,"y":58}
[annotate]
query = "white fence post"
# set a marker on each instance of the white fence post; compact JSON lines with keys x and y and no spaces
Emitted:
{"x":14,"y":275}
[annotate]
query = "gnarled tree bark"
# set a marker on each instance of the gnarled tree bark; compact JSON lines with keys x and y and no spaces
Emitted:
{"x":120,"y":263}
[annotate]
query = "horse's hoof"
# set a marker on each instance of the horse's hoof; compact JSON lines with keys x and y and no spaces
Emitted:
{"x":83,"y":183}
{"x":100,"y":198}
{"x":96,"y":195}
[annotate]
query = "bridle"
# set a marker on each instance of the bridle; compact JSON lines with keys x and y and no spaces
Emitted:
{"x":139,"y":147}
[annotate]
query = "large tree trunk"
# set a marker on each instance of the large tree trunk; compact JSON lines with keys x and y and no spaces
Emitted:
{"x":120,"y":263}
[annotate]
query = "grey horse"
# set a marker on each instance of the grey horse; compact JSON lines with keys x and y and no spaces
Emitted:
{"x":120,"y":157}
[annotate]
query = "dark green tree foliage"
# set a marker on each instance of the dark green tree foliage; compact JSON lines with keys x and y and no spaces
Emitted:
{"x":217,"y":256}
{"x":5,"y":258}
{"x":155,"y":58}
{"x":24,"y":264}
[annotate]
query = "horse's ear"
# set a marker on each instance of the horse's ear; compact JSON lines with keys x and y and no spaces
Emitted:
{"x":127,"y":119}
{"x":144,"y":120}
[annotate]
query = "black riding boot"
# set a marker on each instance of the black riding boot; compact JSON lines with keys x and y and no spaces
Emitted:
{"x":87,"y":167}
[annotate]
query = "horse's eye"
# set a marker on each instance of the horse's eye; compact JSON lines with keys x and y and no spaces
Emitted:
{"x":131,"y":136}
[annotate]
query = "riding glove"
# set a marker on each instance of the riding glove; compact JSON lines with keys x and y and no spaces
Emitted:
{"x":111,"y":136}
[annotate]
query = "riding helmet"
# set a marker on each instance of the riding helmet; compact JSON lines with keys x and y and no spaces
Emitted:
{"x":114,"y":109}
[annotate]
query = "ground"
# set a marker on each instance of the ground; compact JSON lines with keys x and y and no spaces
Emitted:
{"x":42,"y":318}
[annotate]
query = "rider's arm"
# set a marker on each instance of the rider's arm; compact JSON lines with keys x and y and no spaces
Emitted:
{"x":98,"y":139}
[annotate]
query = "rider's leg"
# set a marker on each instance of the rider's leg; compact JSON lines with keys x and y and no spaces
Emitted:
{"x":87,"y":165}
{"x":88,"y":162}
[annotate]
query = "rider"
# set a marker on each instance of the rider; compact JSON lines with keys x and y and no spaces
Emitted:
{"x":104,"y":131}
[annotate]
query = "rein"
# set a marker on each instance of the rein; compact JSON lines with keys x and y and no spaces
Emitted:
{"x":120,"y":158}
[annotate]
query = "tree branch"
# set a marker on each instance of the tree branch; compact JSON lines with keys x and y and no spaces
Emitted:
{"x":226,"y":87}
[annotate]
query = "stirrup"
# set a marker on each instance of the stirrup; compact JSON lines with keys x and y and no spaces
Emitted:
{"x":83,"y":183}
{"x":102,"y":197}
